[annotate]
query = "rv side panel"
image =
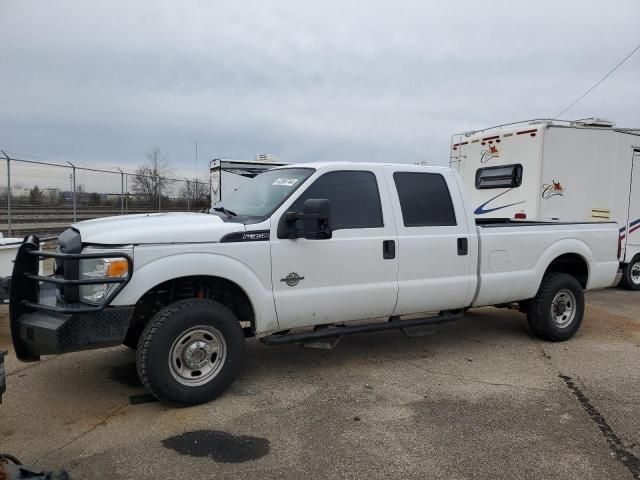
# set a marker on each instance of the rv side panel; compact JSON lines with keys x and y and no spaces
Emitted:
{"x":475,"y":154}
{"x":579,"y":175}
{"x":586,"y":176}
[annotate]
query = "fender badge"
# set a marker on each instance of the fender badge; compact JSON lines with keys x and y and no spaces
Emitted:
{"x":292,"y":279}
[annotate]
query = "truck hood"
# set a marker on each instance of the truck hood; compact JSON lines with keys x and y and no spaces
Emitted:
{"x":156,"y":228}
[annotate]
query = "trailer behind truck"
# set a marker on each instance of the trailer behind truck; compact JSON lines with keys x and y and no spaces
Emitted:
{"x":549,"y":170}
{"x":226,"y":175}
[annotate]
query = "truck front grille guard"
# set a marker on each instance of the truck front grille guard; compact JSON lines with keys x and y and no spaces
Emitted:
{"x":25,"y":280}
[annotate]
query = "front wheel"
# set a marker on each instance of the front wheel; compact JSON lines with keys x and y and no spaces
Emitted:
{"x":631,"y":274}
{"x":556,"y":312}
{"x":190,"y":352}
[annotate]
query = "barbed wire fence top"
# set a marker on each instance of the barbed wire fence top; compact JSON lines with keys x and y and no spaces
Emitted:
{"x":44,"y":198}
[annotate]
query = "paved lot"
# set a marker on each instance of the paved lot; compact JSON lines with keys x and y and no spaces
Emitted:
{"x":481,"y":399}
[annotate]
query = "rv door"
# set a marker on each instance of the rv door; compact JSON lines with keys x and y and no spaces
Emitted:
{"x":631,"y":231}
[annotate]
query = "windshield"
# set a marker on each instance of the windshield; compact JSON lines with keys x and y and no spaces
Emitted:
{"x":260,"y":196}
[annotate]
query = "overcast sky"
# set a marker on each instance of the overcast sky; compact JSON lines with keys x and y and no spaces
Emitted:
{"x":103,"y":82}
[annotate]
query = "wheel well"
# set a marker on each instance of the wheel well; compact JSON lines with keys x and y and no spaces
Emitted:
{"x":574,"y":265}
{"x":219,"y":289}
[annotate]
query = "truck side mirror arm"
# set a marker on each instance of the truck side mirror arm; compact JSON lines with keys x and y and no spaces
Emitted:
{"x":315,"y":219}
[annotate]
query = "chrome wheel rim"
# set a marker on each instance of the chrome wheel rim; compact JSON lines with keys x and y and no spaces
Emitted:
{"x":197,"y":356}
{"x":563,"y":308}
{"x":635,"y":273}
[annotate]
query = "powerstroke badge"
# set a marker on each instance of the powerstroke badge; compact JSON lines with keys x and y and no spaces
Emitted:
{"x":255,"y":236}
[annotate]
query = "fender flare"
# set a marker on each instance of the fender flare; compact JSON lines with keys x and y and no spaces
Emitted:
{"x":179,"y":265}
{"x":572,"y":246}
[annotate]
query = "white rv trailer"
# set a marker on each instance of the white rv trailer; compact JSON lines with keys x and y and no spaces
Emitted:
{"x":583,"y":170}
{"x":227,"y":175}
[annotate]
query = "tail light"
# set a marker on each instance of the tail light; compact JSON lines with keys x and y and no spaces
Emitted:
{"x":619,"y":246}
{"x":520,"y":216}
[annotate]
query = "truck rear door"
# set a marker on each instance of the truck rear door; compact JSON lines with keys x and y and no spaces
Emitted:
{"x":437,"y":248}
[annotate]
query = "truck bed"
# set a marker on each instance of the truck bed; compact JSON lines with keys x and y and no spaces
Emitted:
{"x":516,"y":253}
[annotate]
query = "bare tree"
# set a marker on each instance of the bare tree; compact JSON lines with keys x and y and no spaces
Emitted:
{"x":197,"y":192}
{"x":35,"y":196}
{"x":152,"y":178}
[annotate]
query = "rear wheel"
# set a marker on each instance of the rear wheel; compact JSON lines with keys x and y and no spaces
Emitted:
{"x":190,"y":352}
{"x":556,"y":312}
{"x":631,"y":274}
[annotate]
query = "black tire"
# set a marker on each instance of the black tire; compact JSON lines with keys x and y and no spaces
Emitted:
{"x":167,"y":375}
{"x":554,"y":325}
{"x":631,"y":274}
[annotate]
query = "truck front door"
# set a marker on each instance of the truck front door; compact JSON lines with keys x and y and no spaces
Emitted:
{"x":353,"y":274}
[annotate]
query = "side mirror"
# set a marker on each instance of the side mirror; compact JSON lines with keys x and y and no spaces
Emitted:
{"x":316,"y":223}
{"x":313,"y":223}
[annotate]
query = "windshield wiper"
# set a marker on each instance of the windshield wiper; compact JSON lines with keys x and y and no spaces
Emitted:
{"x":228,"y":213}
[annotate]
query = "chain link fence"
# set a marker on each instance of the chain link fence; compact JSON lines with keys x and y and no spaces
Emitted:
{"x":44,"y":198}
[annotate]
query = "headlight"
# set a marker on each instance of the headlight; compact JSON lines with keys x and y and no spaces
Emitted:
{"x":96,"y":268}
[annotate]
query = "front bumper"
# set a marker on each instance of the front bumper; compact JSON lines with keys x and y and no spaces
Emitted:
{"x":49,"y":333}
{"x":43,"y":324}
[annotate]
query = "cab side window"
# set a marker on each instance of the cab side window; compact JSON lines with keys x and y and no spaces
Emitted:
{"x":353,"y":197}
{"x":425,"y":200}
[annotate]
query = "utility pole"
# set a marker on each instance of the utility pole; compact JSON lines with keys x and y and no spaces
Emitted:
{"x":121,"y":191}
{"x":188,"y":194}
{"x":196,"y":178}
{"x":9,"y":232}
{"x":73,"y":191}
{"x":156,"y":176}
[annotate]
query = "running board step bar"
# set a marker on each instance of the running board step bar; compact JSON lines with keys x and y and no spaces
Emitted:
{"x":394,"y":323}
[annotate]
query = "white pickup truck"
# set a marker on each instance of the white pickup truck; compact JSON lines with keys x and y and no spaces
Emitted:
{"x":298,"y":254}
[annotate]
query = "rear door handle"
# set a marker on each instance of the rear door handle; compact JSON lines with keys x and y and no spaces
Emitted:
{"x":463,"y":246}
{"x":388,"y":249}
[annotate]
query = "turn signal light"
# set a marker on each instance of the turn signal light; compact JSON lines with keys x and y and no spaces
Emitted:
{"x":117,"y":267}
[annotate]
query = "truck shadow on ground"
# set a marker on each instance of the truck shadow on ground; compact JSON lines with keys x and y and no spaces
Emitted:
{"x":482,"y":333}
{"x":482,"y":327}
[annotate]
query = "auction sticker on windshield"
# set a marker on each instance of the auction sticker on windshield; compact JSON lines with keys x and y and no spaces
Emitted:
{"x":286,"y":182}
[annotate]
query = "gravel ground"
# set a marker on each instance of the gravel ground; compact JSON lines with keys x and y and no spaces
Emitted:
{"x":480,"y":399}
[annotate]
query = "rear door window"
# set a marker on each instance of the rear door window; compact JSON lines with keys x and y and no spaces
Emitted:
{"x":424,"y":199}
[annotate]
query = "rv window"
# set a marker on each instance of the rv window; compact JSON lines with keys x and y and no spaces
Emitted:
{"x":503,"y":176}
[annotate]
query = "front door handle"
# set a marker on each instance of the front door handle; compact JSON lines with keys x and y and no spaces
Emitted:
{"x":463,"y":246}
{"x":388,"y":249}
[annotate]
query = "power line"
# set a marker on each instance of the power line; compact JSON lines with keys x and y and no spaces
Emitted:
{"x":599,"y":81}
